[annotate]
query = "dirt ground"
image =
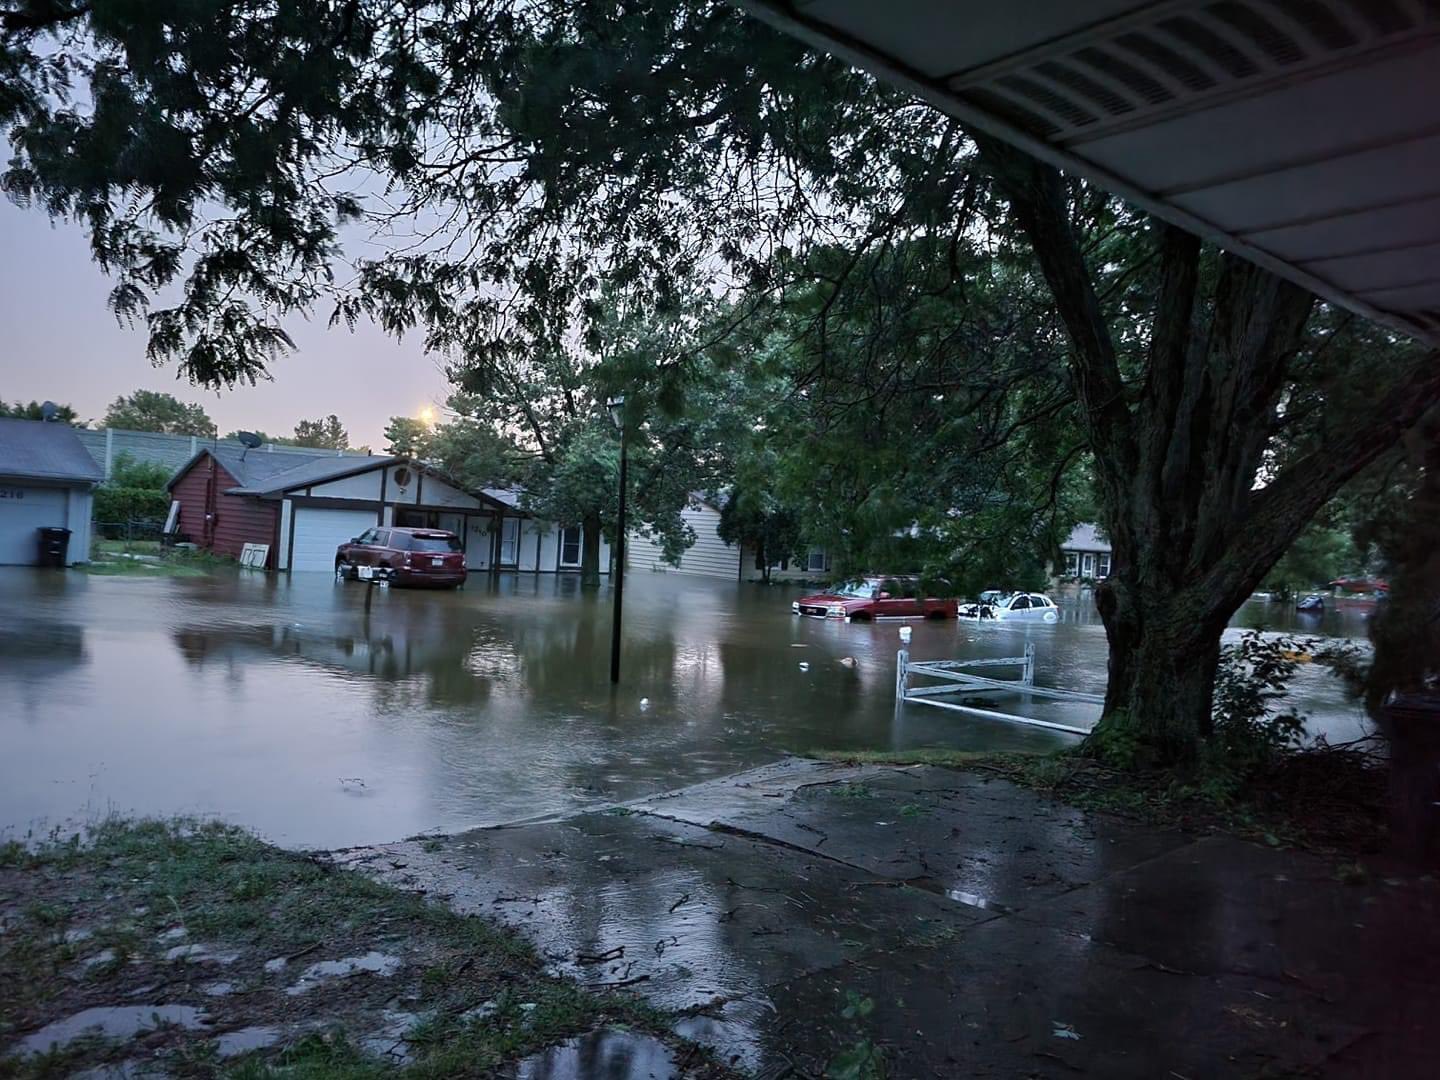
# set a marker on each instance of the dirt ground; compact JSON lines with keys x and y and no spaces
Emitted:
{"x":186,"y":949}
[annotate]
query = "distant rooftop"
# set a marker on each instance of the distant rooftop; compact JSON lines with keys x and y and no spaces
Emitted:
{"x":1086,"y":537}
{"x":174,"y":452}
{"x":34,"y":449}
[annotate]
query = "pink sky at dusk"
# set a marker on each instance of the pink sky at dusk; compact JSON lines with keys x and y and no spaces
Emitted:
{"x":58,"y":340}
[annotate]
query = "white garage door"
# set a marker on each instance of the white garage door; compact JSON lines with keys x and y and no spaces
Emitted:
{"x":22,"y":511}
{"x":319,"y":532}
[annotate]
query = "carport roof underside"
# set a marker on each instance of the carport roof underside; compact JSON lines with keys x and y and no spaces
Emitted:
{"x":1303,"y":134}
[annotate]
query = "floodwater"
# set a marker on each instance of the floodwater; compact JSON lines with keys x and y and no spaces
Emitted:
{"x":328,"y":714}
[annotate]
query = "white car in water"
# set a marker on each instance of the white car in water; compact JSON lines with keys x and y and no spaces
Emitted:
{"x":1032,"y":607}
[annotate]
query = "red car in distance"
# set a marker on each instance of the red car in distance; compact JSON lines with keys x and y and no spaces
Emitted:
{"x":403,"y":557}
{"x":898,"y":597}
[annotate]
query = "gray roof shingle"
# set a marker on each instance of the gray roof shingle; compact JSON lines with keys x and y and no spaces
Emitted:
{"x":1086,"y":537}
{"x":33,"y":449}
{"x":311,"y":471}
{"x":255,"y":467}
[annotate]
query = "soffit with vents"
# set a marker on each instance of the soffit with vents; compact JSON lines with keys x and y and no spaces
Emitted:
{"x":1303,"y":134}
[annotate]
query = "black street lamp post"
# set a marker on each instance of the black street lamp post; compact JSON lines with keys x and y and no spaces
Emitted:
{"x":617,"y":414}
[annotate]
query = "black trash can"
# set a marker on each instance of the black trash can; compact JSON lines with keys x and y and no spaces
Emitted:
{"x":54,"y":543}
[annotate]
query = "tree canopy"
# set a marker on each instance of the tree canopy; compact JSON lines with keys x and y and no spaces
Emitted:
{"x":35,"y":410}
{"x":325,"y":433}
{"x":149,"y":410}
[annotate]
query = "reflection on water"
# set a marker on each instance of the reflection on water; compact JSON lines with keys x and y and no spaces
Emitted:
{"x":607,"y":1054}
{"x":331,"y":714}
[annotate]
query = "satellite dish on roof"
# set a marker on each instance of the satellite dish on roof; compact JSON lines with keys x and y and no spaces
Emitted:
{"x":249,"y":440}
{"x":48,"y":410}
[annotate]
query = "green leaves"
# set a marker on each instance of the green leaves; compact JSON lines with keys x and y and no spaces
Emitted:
{"x":327,"y":433}
{"x":149,"y":410}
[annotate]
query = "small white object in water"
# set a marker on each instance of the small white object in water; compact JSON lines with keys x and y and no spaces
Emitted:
{"x":847,"y":661}
{"x":804,"y":666}
{"x":644,"y":702}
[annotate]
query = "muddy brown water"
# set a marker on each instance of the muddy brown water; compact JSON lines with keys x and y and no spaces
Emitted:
{"x":326,"y":714}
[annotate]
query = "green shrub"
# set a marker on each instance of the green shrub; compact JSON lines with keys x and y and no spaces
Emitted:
{"x":1252,"y":724}
{"x":130,"y":503}
{"x":126,"y":472}
{"x":135,"y":491}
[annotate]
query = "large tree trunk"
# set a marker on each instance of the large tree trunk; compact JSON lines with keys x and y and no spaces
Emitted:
{"x":1163,"y":653}
{"x":590,"y":552}
{"x":1177,"y":456}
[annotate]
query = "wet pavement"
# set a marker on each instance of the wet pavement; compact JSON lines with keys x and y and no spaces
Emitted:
{"x":958,"y":924}
{"x":324,"y":714}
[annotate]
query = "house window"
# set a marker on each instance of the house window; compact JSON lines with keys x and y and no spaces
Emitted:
{"x":1087,"y":564}
{"x":1072,"y":564}
{"x":509,"y":541}
{"x":570,"y":546}
{"x":818,"y":561}
{"x":1104,"y":564}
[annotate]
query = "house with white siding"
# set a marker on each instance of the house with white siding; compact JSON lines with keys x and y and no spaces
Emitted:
{"x":711,"y":556}
{"x":299,"y":509}
{"x":1085,"y":554}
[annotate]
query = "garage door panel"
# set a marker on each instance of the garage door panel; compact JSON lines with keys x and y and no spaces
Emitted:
{"x":318,"y":532}
{"x":23,"y":510}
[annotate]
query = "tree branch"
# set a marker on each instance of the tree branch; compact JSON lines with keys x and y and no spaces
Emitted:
{"x":1278,"y":512}
{"x":40,"y":16}
{"x":1037,"y":199}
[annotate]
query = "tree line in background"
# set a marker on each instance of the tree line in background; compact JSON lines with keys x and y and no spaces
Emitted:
{"x":149,"y":410}
{"x":918,"y":341}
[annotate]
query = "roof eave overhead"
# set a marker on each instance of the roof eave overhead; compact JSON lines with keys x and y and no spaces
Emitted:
{"x":1309,"y":146}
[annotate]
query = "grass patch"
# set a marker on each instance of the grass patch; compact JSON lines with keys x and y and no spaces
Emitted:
{"x":132,"y":890}
{"x":173,"y":563}
{"x":1327,"y":799}
{"x":133,"y":547}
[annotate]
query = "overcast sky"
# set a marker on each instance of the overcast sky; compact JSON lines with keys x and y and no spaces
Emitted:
{"x":59,"y":341}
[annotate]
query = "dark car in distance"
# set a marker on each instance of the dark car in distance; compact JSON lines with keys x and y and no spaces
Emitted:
{"x":403,"y":556}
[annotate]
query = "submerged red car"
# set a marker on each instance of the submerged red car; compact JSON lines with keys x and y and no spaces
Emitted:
{"x":876,"y":598}
{"x":403,"y":557}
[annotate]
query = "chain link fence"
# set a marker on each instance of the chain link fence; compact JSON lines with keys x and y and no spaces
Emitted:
{"x":131,"y":537}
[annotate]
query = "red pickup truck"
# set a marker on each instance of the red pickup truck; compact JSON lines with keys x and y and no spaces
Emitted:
{"x":897,"y":597}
